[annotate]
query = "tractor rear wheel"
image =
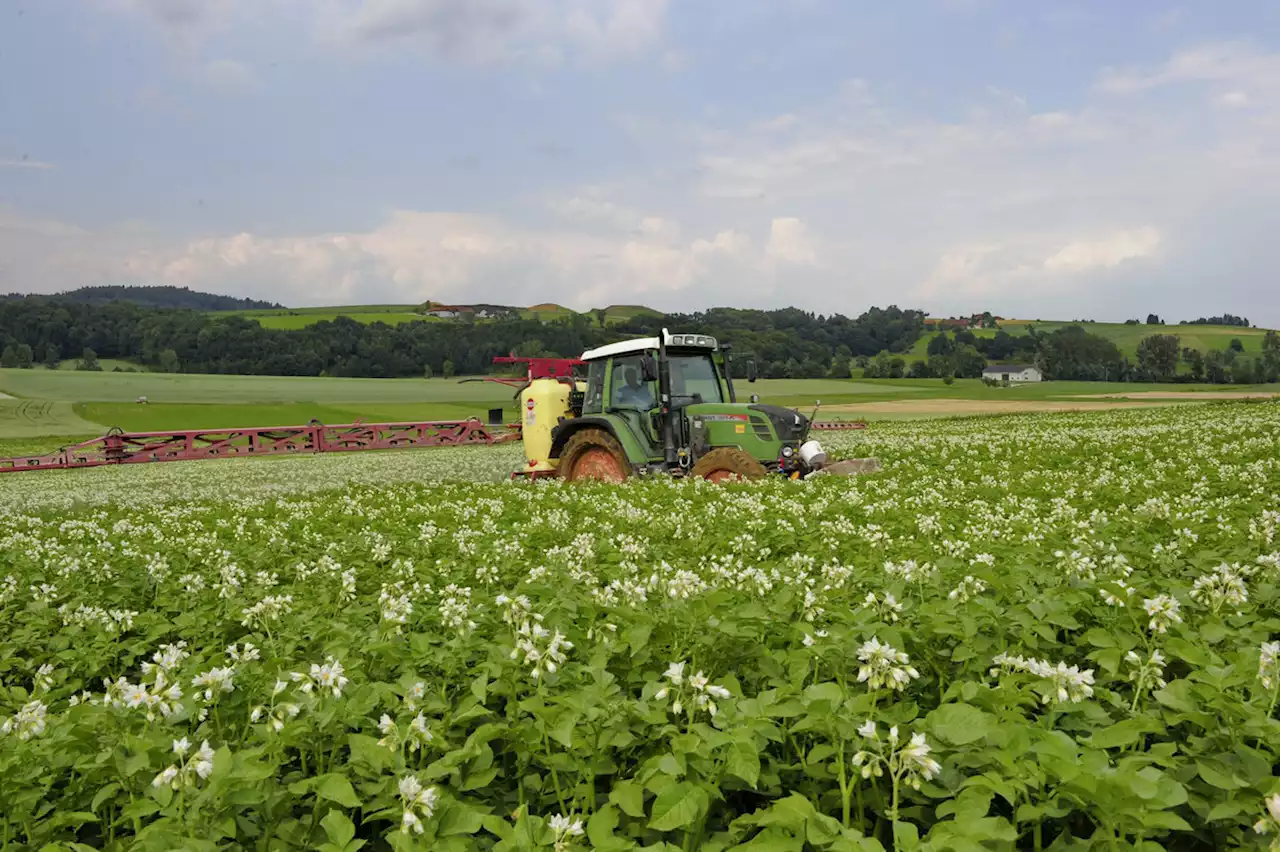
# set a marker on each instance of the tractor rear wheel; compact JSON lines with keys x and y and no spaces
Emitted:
{"x":593,"y":454}
{"x":728,"y":463}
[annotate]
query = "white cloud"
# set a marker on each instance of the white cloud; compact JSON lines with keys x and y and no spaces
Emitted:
{"x":471,"y":30}
{"x":498,"y":30}
{"x":411,"y":256}
{"x":1232,"y":99}
{"x":1105,"y":252}
{"x":24,"y":163}
{"x":228,"y":75}
{"x":657,"y":227}
{"x":1051,"y":120}
{"x":591,"y":208}
{"x":1216,"y":62}
{"x":1039,"y":265}
{"x":789,"y":240}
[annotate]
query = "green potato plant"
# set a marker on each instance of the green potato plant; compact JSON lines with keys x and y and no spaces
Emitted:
{"x":1032,"y":632}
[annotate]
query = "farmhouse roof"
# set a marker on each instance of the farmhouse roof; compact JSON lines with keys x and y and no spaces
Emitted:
{"x":1008,"y":368}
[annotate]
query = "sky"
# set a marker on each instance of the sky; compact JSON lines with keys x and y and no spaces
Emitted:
{"x":1094,"y":159}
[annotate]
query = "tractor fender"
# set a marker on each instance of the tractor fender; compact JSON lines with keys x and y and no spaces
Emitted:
{"x":561,"y":434}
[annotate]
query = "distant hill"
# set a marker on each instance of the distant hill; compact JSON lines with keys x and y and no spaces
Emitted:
{"x":156,"y":297}
{"x":1126,"y":336}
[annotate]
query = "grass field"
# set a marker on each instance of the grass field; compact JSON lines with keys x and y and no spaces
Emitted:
{"x":35,"y":418}
{"x":294,"y":318}
{"x":70,"y":404}
{"x":107,"y":365}
{"x":1126,"y":337}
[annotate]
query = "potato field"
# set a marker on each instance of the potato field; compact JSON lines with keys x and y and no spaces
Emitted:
{"x":1029,"y":632}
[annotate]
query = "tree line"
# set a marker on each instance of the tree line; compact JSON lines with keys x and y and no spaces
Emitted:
{"x":1072,"y":353}
{"x":157,"y":297}
{"x":785,"y":343}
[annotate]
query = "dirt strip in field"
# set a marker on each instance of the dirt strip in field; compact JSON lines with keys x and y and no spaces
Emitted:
{"x":1179,"y":395}
{"x":980,"y":406}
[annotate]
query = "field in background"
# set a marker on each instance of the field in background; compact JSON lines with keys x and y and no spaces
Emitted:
{"x":1125,"y":337}
{"x":295,"y":318}
{"x":65,"y":405}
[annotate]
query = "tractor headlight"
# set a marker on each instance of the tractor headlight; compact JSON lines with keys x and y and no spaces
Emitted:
{"x":812,"y":454}
{"x":788,"y":452}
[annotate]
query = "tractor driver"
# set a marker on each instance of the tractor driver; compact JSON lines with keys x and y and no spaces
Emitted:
{"x":633,"y":393}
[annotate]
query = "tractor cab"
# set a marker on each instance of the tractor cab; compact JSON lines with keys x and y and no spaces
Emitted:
{"x":668,"y":404}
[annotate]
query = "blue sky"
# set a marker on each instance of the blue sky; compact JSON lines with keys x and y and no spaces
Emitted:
{"x":1093,"y":159}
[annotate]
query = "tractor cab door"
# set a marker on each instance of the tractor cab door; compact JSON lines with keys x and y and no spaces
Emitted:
{"x":634,"y":400}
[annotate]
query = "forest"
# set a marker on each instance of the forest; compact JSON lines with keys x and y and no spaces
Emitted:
{"x":156,"y":297}
{"x":786,"y":343}
{"x":45,"y":330}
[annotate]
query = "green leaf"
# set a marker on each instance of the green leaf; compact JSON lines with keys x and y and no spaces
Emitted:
{"x":75,"y":818}
{"x":1123,"y":733}
{"x":743,"y":761}
{"x":829,"y":691}
{"x":637,"y":637}
{"x":460,"y":818}
{"x":972,"y":803}
{"x":1219,"y":776}
{"x":338,"y":828}
{"x":1229,"y":810}
{"x":1185,"y":650}
{"x":629,"y":796}
{"x":336,"y":788}
{"x":772,"y":840}
{"x":562,"y":731}
{"x":959,"y":724}
{"x":601,"y":825}
{"x":136,"y":763}
{"x":140,"y":808}
{"x":905,"y":836}
{"x":1099,"y":638}
{"x":678,"y":806}
{"x":1177,"y":696}
{"x":102,"y":795}
{"x":479,"y":687}
{"x":1164,"y":819}
{"x":365,"y":752}
{"x":479,"y":780}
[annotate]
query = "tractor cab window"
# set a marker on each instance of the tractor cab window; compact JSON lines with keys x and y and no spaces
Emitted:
{"x":627,"y":388}
{"x":593,"y":400}
{"x":694,"y":379}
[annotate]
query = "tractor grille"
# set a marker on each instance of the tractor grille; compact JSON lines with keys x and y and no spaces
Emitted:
{"x":761,"y":427}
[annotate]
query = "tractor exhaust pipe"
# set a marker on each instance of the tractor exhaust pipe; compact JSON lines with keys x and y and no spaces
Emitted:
{"x":664,"y":396}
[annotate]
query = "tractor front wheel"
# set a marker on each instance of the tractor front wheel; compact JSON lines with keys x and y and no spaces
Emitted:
{"x":593,"y":454}
{"x":728,"y":463}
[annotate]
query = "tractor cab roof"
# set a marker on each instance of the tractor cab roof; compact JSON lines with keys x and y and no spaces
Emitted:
{"x":648,"y":344}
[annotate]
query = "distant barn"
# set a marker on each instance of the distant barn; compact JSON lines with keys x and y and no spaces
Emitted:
{"x":1013,"y":373}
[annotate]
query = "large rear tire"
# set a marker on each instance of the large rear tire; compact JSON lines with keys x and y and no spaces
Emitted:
{"x":593,"y":454}
{"x":726,"y":464}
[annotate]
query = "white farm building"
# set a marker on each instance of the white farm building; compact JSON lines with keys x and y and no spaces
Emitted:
{"x":1012,"y":373}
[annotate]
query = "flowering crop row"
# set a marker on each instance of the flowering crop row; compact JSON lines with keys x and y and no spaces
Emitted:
{"x":1029,"y":632}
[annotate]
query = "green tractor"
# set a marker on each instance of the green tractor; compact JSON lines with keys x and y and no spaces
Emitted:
{"x":664,"y":404}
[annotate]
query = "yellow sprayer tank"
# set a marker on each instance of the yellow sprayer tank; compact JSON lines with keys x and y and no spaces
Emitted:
{"x":542,"y":404}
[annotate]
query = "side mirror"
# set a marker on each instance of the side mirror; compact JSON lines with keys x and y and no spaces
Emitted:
{"x":751,"y":370}
{"x":648,"y":369}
